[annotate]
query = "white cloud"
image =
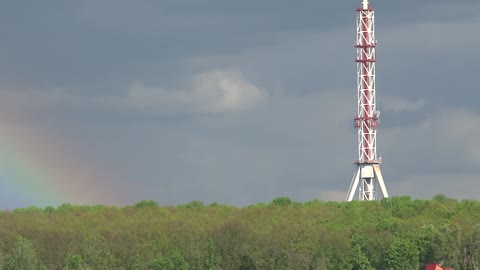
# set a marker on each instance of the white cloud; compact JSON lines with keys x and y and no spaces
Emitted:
{"x":220,"y":91}
{"x":213,"y":91}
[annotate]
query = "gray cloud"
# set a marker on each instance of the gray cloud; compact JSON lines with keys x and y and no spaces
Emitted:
{"x":146,"y":90}
{"x":215,"y":91}
{"x":455,"y":185}
{"x":93,"y":47}
{"x":402,"y":105}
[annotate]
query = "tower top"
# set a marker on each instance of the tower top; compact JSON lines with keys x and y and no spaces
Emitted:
{"x":365,"y":4}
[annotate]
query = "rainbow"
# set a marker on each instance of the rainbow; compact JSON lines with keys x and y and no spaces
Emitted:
{"x":39,"y":167}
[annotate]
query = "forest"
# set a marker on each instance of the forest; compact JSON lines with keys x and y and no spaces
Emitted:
{"x":394,"y":233}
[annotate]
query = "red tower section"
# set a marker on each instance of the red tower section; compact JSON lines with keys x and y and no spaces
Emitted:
{"x":368,"y":172}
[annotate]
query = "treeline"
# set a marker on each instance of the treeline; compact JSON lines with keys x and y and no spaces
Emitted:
{"x":395,"y":233}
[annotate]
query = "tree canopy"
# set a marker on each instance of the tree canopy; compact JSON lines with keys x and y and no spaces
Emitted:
{"x":395,"y":233}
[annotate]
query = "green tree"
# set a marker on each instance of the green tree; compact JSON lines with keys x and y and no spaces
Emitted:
{"x":146,"y":203}
{"x":231,"y":239}
{"x":65,"y":207}
{"x":49,"y":209}
{"x":359,"y":260}
{"x":137,"y":263}
{"x":448,"y":245}
{"x":2,"y":259}
{"x":22,"y":256}
{"x":403,"y":255}
{"x":424,"y":239}
{"x":158,"y":264}
{"x":41,"y":266}
{"x":211,"y":260}
{"x":95,"y":252}
{"x":275,"y":236}
{"x":471,"y":249}
{"x":172,"y":261}
{"x":282,"y":201}
{"x":192,"y":204}
{"x":74,"y":262}
{"x":246,"y":263}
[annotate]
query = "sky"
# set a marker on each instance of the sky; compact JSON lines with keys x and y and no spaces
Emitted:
{"x":237,"y":102}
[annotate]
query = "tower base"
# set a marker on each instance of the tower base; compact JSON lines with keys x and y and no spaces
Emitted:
{"x":367,"y":175}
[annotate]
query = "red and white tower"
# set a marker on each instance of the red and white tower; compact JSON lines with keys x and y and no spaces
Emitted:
{"x":367,"y":175}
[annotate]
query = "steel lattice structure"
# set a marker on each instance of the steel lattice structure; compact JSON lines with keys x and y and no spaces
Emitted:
{"x":367,"y":174}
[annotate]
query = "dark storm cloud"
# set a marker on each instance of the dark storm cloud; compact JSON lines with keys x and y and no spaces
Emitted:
{"x":99,"y":43}
{"x":99,"y":46}
{"x":244,"y":101}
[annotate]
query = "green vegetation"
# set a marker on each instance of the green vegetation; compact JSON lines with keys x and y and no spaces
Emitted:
{"x":395,"y":233}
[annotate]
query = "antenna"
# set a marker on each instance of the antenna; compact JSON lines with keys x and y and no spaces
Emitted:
{"x":365,"y":4}
{"x":367,"y":174}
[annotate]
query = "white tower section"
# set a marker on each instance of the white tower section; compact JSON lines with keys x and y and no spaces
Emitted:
{"x":367,"y":175}
{"x":365,"y":4}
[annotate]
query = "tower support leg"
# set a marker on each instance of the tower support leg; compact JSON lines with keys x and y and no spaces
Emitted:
{"x":378,"y":173}
{"x":365,"y":178}
{"x":353,"y":185}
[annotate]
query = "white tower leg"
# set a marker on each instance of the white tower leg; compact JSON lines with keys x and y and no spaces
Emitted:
{"x":378,"y":173}
{"x":368,"y":176}
{"x":353,"y":185}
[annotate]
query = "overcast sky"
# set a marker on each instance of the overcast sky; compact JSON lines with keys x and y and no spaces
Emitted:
{"x":237,"y":102}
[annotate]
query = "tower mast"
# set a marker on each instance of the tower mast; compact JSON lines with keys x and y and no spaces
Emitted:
{"x":367,"y":174}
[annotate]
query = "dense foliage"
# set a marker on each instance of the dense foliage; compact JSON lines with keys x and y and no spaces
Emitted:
{"x":395,"y":233}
